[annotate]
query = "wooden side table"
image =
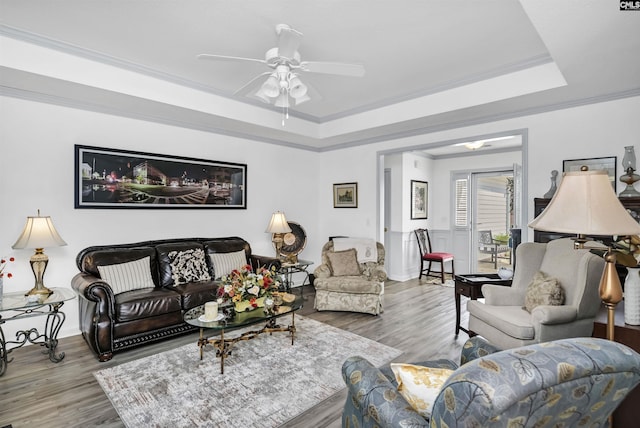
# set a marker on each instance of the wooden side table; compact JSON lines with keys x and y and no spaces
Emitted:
{"x":471,"y":286}
{"x":625,"y":415}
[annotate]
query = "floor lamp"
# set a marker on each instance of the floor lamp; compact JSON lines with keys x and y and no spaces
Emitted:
{"x":585,"y":204}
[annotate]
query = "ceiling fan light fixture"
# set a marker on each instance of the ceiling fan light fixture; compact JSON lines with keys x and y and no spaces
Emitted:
{"x":282,"y":100}
{"x":474,"y":145}
{"x":297,"y":89}
{"x":260,"y":94}
{"x":302,"y":99}
{"x":271,"y":87}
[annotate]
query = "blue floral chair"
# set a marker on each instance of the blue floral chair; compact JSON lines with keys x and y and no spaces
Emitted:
{"x":567,"y":382}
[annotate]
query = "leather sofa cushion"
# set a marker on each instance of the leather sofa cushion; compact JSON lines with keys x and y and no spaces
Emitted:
{"x":196,"y":293}
{"x":164,"y":262}
{"x":114,"y":256}
{"x":227,"y":245}
{"x":145,"y":303}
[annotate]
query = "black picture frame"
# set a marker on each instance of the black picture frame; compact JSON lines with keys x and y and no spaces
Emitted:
{"x":345,"y":195}
{"x":115,"y":178}
{"x":419,"y":200}
{"x":608,"y":164}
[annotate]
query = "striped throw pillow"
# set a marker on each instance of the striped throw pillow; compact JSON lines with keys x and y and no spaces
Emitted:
{"x":224,"y":263}
{"x":128,"y":276}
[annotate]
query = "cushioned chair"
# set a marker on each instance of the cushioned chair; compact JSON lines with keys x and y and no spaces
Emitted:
{"x":488,"y":245}
{"x":569,"y":382}
{"x":344,"y":284}
{"x":502,"y":318}
{"x":427,"y":255}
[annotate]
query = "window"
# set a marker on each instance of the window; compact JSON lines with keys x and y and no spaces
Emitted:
{"x":462,"y":219}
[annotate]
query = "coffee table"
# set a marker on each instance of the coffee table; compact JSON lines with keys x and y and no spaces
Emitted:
{"x":224,"y":345}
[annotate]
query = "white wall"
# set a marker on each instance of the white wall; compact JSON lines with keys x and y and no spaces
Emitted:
{"x":36,"y":171}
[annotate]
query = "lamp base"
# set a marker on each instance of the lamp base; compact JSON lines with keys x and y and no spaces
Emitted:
{"x":629,"y":178}
{"x":610,"y":290}
{"x":39,"y":263}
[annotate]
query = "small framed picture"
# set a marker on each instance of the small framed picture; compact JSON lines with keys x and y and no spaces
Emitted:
{"x":345,"y":195}
{"x":594,"y":164}
{"x":419,"y":199}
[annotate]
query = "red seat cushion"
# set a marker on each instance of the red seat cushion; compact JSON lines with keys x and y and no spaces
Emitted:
{"x":438,"y":256}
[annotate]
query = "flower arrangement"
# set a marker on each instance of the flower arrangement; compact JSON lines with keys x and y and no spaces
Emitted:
{"x":246,"y":285}
{"x":3,"y":265}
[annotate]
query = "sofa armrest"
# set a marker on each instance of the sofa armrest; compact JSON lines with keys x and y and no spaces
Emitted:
{"x":322,"y":271}
{"x":476,"y":347}
{"x":546,"y":314}
{"x":372,"y":400}
{"x":374,"y":272}
{"x":499,"y":295}
{"x":96,"y":303}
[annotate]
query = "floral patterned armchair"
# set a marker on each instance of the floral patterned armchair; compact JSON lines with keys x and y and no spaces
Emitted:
{"x":344,"y":284}
{"x":567,"y":382}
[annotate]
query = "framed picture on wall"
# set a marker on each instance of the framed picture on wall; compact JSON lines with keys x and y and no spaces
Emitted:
{"x":419,"y":199}
{"x":345,"y":195}
{"x":111,"y":178}
{"x":595,"y":164}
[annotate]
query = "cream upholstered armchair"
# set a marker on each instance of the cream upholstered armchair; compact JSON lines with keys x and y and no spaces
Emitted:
{"x":534,"y":309}
{"x":351,"y":276}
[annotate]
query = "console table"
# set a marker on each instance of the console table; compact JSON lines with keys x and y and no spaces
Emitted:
{"x":625,"y":415}
{"x":471,"y":287}
{"x":20,"y":307}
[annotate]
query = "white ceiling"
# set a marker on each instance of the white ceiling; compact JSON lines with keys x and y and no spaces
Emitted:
{"x":430,"y":65}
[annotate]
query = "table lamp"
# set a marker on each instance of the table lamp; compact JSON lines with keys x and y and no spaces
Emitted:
{"x":278,"y":226}
{"x":39,"y":233}
{"x":585,"y":204}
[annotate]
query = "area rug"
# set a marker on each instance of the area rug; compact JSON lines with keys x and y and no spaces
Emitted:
{"x":266,"y":381}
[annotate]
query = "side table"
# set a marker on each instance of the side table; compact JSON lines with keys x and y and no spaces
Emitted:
{"x":21,"y":308}
{"x":288,"y":269}
{"x":626,"y":413}
{"x":471,"y":286}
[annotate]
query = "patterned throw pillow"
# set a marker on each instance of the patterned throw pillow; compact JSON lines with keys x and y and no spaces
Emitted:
{"x":344,"y":263}
{"x":128,"y":276}
{"x":224,"y":263}
{"x":420,"y":385}
{"x":188,"y":266}
{"x":543,"y":290}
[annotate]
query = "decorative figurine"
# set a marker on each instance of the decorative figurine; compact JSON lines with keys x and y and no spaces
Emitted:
{"x":554,"y":187}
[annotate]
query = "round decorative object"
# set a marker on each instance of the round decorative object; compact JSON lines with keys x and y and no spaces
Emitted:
{"x":294,"y":241}
{"x":505,"y":273}
{"x":632,"y":297}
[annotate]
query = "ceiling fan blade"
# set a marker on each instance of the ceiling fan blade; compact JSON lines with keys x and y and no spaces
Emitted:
{"x":338,"y":68}
{"x":229,"y":58}
{"x":247,"y":87}
{"x":289,"y":41}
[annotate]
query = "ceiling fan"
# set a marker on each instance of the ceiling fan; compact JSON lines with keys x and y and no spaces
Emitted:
{"x":283,"y":81}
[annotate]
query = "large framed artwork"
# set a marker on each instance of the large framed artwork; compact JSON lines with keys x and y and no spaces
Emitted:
{"x":345,"y":195}
{"x":111,"y":178}
{"x":595,"y":164}
{"x":419,"y":199}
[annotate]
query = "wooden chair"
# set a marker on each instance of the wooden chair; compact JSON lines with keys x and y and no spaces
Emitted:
{"x":427,"y":255}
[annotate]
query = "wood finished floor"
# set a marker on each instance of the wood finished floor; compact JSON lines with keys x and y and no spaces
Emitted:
{"x":418,"y":319}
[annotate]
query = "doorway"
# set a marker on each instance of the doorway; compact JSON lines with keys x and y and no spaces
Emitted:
{"x":493,"y":212}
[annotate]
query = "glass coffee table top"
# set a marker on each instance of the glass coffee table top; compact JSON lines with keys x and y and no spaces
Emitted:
{"x":195,"y":317}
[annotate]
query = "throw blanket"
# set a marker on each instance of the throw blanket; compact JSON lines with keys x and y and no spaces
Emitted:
{"x":365,"y":248}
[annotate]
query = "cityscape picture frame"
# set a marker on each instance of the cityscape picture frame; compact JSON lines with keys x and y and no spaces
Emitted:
{"x":115,"y":178}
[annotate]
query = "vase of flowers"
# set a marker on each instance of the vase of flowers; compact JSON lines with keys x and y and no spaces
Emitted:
{"x":247,"y":289}
{"x":3,"y":265}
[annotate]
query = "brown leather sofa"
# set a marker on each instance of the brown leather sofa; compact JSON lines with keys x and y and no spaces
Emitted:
{"x":114,"y":322}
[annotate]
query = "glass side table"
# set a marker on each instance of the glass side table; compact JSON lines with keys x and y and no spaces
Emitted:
{"x":19,"y":307}
{"x":288,"y":269}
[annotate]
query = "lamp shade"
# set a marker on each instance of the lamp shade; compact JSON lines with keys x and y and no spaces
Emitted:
{"x":278,"y":223}
{"x":585,"y":203}
{"x":39,"y":232}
